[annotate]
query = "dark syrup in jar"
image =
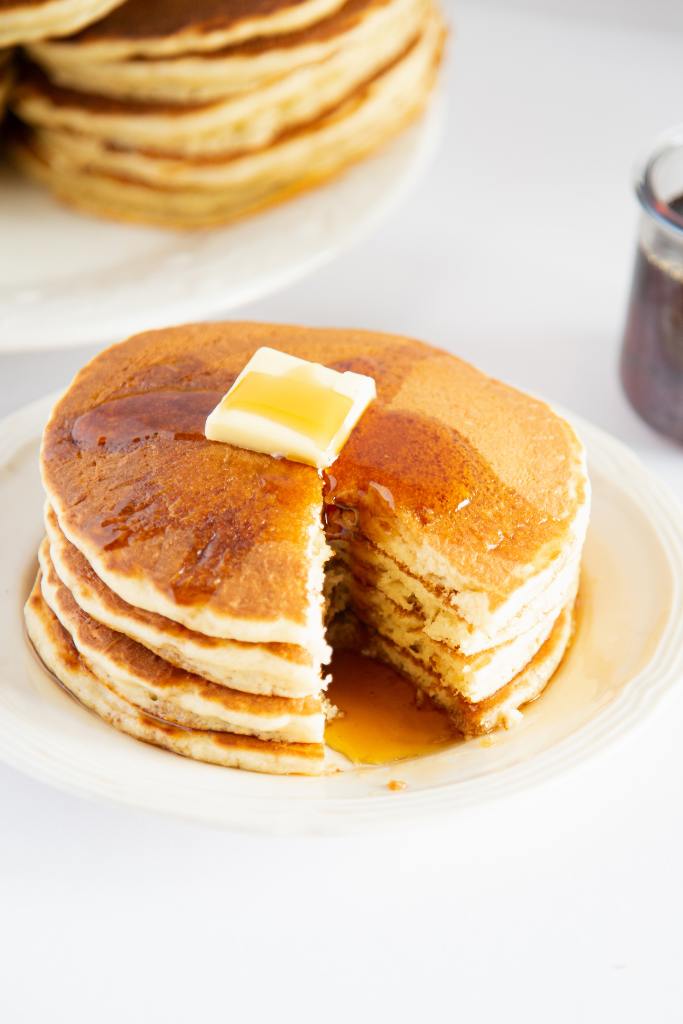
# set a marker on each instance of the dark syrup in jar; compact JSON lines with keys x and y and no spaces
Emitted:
{"x":652,"y":355}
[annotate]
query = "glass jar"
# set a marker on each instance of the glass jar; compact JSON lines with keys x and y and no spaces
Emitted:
{"x":652,"y":355}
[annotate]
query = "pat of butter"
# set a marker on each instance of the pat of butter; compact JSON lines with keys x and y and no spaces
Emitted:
{"x":285,"y":406}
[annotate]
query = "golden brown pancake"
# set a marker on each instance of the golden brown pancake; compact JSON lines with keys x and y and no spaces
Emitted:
{"x":24,"y":21}
{"x":247,"y":65}
{"x":283,"y":670}
{"x":238,"y":545}
{"x":171,"y":26}
{"x":501,"y":709}
{"x":486,"y":483}
{"x":341,"y":21}
{"x":210,"y":141}
{"x":168,"y":692}
{"x":57,"y":651}
{"x":222,"y":127}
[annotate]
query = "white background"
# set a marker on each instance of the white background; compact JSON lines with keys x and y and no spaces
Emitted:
{"x":562,"y":905}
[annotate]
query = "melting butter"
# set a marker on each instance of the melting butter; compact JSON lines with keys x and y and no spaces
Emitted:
{"x":285,"y":406}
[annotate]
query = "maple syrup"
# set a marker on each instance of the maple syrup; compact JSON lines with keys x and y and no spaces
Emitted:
{"x":130,"y":420}
{"x":652,"y":355}
{"x":652,"y":352}
{"x":382,"y":719}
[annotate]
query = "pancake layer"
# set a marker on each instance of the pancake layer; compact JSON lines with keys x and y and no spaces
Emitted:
{"x":195,"y":149}
{"x":182,"y":698}
{"x":234,"y":124}
{"x":57,"y":651}
{"x":275,"y":669}
{"x":197,"y":581}
{"x":438,"y":431}
{"x":23,"y":21}
{"x":354,"y":29}
{"x":172,"y":27}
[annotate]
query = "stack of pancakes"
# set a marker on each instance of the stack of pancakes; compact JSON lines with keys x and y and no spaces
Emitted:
{"x":188,"y":589}
{"x":24,"y":21}
{"x":193,"y":113}
{"x":27,"y":21}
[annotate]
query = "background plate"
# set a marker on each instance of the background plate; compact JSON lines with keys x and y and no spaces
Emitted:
{"x":628,"y":651}
{"x":69,"y":279}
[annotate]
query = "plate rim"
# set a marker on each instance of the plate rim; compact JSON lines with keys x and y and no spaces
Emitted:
{"x":628,"y":711}
{"x":422,"y":139}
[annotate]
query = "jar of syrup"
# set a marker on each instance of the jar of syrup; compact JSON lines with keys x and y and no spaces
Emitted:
{"x":652,"y":355}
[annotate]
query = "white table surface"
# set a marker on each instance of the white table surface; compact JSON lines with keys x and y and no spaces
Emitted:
{"x":561,"y":905}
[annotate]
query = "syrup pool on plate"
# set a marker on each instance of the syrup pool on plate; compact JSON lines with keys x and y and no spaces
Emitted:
{"x":381,"y":717}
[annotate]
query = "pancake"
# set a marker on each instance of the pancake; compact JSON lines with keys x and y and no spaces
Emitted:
{"x":23,"y":21}
{"x":358,"y":26}
{"x":283,"y":670}
{"x":501,"y":709}
{"x":474,"y":677}
{"x":241,"y":556}
{"x":181,"y":190}
{"x":445,"y":540}
{"x":438,"y":430}
{"x":57,"y":651}
{"x":427,"y":600}
{"x":168,"y":27}
{"x":235,"y":124}
{"x":172,"y":694}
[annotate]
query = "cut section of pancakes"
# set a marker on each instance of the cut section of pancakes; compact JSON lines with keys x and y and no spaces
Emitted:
{"x":23,"y":21}
{"x":218,"y":134}
{"x":200,"y":583}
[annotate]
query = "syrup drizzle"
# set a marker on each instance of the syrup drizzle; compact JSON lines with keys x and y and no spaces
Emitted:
{"x":131,"y":420}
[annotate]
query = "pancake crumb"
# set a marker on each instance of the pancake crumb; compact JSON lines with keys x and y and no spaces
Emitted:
{"x":396,"y":785}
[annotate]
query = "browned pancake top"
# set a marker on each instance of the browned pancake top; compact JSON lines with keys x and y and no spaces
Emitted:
{"x":153,"y":19}
{"x":138,"y":661}
{"x":82,"y":570}
{"x":482,"y":472}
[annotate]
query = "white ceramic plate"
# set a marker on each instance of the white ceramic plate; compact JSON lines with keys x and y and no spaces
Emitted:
{"x":628,"y":651}
{"x":69,"y":279}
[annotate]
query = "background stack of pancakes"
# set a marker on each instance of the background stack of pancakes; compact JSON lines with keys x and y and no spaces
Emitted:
{"x":182,"y":580}
{"x":195,"y":112}
{"x":25,"y":21}
{"x":6,"y":77}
